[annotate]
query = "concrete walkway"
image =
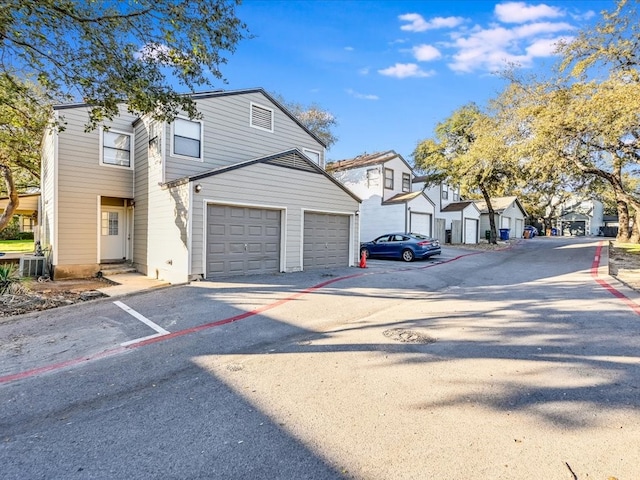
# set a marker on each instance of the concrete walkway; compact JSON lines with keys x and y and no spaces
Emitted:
{"x":129,"y":283}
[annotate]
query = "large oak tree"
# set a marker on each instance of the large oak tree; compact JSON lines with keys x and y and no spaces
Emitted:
{"x":105,"y":53}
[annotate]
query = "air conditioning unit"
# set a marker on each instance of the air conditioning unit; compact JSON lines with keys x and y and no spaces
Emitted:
{"x":32,"y":266}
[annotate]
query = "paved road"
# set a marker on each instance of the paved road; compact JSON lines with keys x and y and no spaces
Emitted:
{"x":517,"y":364}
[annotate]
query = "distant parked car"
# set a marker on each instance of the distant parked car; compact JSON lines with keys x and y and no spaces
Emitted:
{"x":533,"y":231}
{"x":407,"y":246}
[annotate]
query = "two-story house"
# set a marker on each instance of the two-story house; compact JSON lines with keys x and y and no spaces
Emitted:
{"x":579,"y":217}
{"x":457,"y":221}
{"x":241,"y":190}
{"x":383,"y":181}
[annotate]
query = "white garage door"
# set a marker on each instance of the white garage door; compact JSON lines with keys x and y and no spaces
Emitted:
{"x":470,"y":230}
{"x":519,"y":229}
{"x":421,"y":223}
{"x":242,"y":240}
{"x":326,"y":241}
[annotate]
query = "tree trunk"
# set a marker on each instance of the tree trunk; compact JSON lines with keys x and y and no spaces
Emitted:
{"x":493,"y":237}
{"x":623,"y":221}
{"x":12,"y":206}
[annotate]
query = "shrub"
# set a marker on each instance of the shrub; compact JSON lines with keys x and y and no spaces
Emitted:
{"x":10,"y":280}
{"x":11,"y":231}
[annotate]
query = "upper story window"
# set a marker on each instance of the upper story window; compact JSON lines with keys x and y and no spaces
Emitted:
{"x":388,"y":178}
{"x":456,"y":195}
{"x":261,"y":117}
{"x":445,"y":192}
{"x":186,"y":138}
{"x":406,"y":182}
{"x":373,"y":177}
{"x":313,"y":155}
{"x":116,"y":148}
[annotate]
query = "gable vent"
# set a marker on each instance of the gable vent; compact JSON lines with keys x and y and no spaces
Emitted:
{"x":261,"y":117}
{"x":293,"y":160}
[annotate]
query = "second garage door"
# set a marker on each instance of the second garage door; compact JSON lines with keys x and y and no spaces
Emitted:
{"x":421,"y":223}
{"x":470,"y":231}
{"x":242,"y":240}
{"x":326,"y":240}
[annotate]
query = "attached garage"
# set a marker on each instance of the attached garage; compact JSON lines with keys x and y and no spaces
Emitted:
{"x":421,"y":223}
{"x":326,"y":240}
{"x":242,"y":240}
{"x":470,"y":231}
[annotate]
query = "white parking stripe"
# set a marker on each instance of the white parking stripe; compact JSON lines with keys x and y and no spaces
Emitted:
{"x":142,"y":318}
{"x":138,"y":340}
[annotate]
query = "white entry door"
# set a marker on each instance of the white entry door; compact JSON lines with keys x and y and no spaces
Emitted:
{"x":112,"y":233}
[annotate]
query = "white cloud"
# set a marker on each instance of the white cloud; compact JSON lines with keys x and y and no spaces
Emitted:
{"x":349,"y":49}
{"x":364,"y":71}
{"x":417,"y":23}
{"x":362,"y":96}
{"x":426,"y":53}
{"x":520,"y":12}
{"x":405,"y":70}
{"x":546,"y":47}
{"x":491,"y":49}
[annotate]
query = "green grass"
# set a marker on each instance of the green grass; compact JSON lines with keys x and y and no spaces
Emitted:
{"x":16,"y":246}
{"x":630,"y":248}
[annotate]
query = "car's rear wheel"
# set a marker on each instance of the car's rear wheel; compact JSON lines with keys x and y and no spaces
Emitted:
{"x":407,"y":255}
{"x":364,"y":251}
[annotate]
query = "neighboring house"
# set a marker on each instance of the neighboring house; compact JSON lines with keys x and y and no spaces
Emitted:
{"x":383,"y":181}
{"x":509,"y":214}
{"x":27,"y":211}
{"x":240,"y":191}
{"x":456,"y":221}
{"x":578,"y":217}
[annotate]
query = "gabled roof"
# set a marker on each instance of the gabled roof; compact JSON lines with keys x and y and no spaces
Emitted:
{"x":221,"y":93}
{"x":293,"y":159}
{"x":365,"y":160}
{"x":458,"y":206}
{"x":499,"y":204}
{"x":402,"y":197}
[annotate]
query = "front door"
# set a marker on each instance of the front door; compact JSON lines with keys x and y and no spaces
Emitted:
{"x":112,"y":233}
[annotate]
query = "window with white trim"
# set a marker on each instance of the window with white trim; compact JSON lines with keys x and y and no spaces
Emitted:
{"x":186,"y":138}
{"x":109,"y":223}
{"x":373,"y":177}
{"x":116,"y":148}
{"x":313,"y":155}
{"x":388,"y":179}
{"x":261,"y":117}
{"x":406,"y":182}
{"x":445,"y":192}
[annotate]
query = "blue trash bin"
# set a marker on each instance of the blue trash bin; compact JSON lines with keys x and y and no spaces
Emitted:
{"x":504,"y":234}
{"x":554,"y":232}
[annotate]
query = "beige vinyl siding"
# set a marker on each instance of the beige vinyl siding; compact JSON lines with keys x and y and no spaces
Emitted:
{"x":145,"y":168}
{"x":81,"y":182}
{"x":47,"y":190}
{"x":267,"y":186}
{"x":228,"y":137}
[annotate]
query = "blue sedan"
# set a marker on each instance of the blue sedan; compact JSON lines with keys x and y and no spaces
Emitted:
{"x":407,"y":246}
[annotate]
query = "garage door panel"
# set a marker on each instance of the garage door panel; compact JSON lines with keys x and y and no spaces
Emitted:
{"x":470,"y":231}
{"x":326,"y":240}
{"x":242,"y":240}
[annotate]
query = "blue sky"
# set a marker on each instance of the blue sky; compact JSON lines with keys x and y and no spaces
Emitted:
{"x":389,"y":71}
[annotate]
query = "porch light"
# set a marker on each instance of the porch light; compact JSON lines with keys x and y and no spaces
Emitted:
{"x":198,"y":188}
